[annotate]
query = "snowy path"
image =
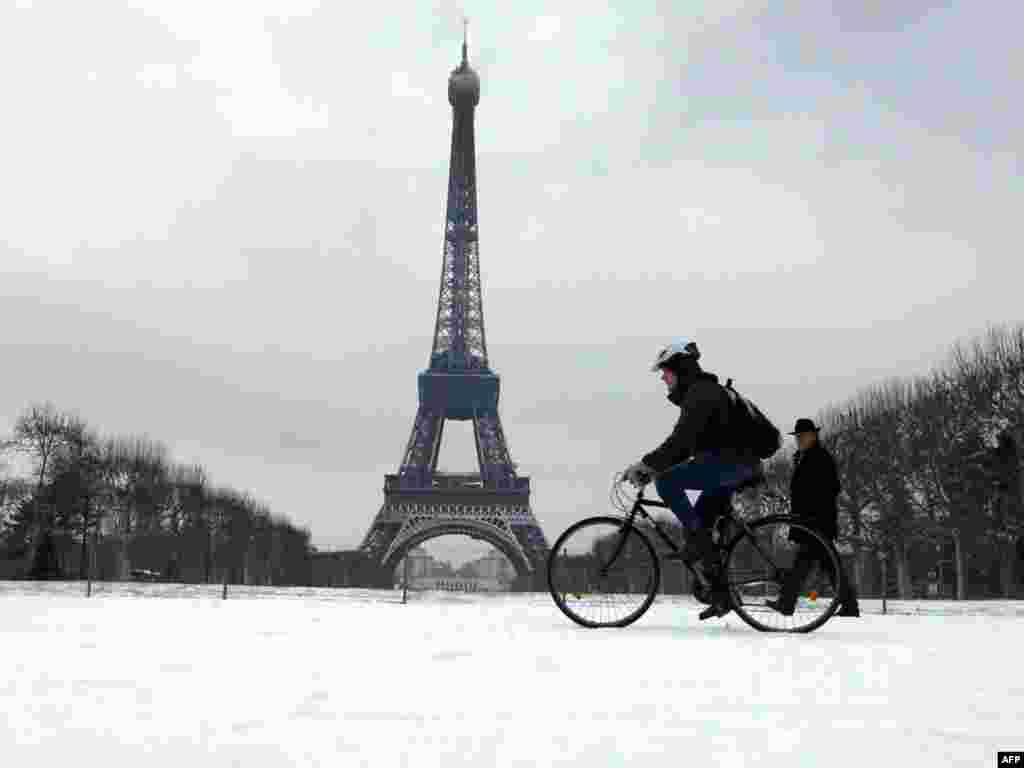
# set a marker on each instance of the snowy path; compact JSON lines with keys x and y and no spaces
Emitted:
{"x":346,"y":678}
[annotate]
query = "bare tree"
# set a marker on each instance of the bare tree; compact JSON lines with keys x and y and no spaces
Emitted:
{"x":82,"y":478}
{"x":39,"y":432}
{"x":155,"y":513}
{"x":138,"y":470}
{"x":991,"y":371}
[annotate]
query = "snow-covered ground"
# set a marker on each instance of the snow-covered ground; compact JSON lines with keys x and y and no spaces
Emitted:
{"x":310,"y":677}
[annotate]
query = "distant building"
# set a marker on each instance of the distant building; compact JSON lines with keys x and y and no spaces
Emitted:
{"x":423,"y":567}
{"x":492,"y":568}
{"x":421,"y":564}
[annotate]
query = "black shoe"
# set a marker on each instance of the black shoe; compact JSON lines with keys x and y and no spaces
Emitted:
{"x":719,"y":607}
{"x":849,"y":611}
{"x":713,"y":612}
{"x":714,"y":591}
{"x":776,"y":605}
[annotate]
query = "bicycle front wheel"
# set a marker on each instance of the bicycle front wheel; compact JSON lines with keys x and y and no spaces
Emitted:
{"x":782,"y":575}
{"x":603,"y":572}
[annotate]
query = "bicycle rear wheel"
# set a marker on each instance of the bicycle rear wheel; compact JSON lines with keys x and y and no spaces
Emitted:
{"x":603,"y":572}
{"x":778,"y":558}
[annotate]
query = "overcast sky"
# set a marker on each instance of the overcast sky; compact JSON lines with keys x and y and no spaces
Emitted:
{"x":221,"y":223}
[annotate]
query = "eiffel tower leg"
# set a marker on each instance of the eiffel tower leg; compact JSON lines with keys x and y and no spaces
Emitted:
{"x":495,"y":461}
{"x":436,"y":450}
{"x":479,"y":451}
{"x":422,"y":449}
{"x":418,"y":463}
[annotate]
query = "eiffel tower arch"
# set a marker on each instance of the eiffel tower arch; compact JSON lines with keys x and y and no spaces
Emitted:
{"x":493,"y":503}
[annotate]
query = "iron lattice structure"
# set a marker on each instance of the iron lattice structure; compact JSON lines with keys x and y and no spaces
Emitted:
{"x":492,"y":504}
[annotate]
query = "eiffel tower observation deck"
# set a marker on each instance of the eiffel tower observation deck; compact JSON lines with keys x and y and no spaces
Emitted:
{"x":492,"y":503}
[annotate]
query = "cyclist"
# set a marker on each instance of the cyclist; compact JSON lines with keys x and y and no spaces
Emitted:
{"x":703,"y":453}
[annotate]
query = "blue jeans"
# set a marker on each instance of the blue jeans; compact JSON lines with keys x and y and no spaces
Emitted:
{"x":715,"y":479}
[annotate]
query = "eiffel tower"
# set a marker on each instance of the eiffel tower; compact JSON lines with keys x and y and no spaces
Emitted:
{"x":492,"y":504}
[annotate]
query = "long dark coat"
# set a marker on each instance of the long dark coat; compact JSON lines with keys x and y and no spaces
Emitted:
{"x":814,"y":489}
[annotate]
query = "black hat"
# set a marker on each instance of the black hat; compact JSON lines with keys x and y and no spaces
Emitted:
{"x":803,"y":425}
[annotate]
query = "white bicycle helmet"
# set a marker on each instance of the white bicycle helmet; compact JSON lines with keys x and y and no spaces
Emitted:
{"x":680,"y":347}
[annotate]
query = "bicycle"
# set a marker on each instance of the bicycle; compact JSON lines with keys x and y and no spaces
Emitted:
{"x":749,"y":563}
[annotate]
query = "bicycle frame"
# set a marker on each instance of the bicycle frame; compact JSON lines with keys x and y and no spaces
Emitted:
{"x":638,"y":508}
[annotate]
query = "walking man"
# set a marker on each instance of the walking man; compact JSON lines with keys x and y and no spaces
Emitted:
{"x":813,"y":492}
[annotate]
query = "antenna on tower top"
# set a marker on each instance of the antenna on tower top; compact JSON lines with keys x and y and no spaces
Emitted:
{"x":465,"y":36}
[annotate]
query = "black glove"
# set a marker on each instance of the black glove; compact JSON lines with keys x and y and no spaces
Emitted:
{"x":638,"y":474}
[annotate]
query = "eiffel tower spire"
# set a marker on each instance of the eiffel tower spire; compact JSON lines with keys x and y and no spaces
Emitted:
{"x":459,"y":339}
{"x":492,"y":503}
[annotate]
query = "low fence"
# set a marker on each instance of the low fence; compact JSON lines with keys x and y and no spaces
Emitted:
{"x":169,"y":590}
{"x":456,"y":584}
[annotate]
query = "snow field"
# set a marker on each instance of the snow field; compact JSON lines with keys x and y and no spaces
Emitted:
{"x":274,"y":677}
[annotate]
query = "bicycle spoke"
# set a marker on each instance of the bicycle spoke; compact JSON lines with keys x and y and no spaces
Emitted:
{"x":603,"y":574}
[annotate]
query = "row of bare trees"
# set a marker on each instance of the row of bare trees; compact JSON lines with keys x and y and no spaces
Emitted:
{"x":932,"y":474}
{"x":73,"y":503}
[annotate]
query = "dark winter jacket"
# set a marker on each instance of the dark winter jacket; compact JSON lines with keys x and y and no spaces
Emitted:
{"x":814,"y":489}
{"x":702,"y":430}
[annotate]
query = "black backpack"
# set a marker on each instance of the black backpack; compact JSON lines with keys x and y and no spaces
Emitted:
{"x":751,"y":428}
